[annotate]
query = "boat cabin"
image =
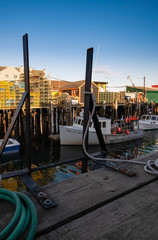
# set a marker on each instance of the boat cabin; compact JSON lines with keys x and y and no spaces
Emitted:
{"x":105,"y":124}
{"x":150,"y":117}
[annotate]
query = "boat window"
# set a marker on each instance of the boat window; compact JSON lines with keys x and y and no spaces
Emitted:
{"x":153,"y":118}
{"x":79,"y":121}
{"x":76,"y":120}
{"x":82,"y":122}
{"x":148,"y":117}
{"x":143,"y":117}
{"x":104,"y":125}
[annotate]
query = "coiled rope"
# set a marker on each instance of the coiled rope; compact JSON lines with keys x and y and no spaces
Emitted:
{"x":150,"y":166}
{"x":25,"y":215}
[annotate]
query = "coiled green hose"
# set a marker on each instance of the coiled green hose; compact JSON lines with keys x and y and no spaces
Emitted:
{"x":25,"y":214}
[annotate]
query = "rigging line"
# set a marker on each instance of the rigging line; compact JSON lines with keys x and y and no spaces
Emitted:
{"x":96,"y":59}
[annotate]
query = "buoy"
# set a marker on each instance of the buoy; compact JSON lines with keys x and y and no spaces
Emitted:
{"x":126,"y":120}
{"x":119,"y":129}
{"x":127,"y":132}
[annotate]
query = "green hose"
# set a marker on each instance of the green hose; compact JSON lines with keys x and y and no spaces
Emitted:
{"x":25,"y":214}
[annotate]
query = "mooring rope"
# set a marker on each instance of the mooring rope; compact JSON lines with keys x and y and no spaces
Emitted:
{"x":150,"y":166}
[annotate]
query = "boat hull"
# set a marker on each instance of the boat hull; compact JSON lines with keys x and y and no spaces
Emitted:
{"x":12,"y":146}
{"x":148,"y":125}
{"x":71,"y":136}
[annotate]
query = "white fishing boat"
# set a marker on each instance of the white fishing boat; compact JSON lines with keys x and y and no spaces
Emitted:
{"x":148,"y":122}
{"x":12,"y":146}
{"x":116,"y":133}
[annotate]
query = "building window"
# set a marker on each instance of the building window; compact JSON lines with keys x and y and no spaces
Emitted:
{"x":15,"y":76}
{"x":6,"y":75}
{"x":79,"y":121}
{"x":77,"y":92}
{"x":104,"y":124}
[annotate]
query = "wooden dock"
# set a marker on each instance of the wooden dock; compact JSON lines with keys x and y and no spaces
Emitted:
{"x":101,"y":204}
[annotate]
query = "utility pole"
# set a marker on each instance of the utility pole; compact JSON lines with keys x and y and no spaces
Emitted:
{"x":137,"y":100}
{"x":144,"y":91}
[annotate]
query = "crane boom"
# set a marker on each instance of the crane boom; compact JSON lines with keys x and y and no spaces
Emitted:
{"x":128,"y":77}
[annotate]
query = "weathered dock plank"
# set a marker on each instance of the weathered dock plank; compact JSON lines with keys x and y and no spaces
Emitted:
{"x":84,"y":194}
{"x":132,"y":217}
{"x":78,"y":196}
{"x":7,"y":209}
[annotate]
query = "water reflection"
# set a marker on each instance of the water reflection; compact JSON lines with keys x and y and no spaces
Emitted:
{"x":46,"y":151}
{"x":13,"y":184}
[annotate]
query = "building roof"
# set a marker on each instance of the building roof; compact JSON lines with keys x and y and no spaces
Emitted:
{"x":2,"y":68}
{"x":56,"y":85}
{"x":100,"y":82}
{"x":17,"y":69}
{"x":33,"y":72}
{"x":146,"y":88}
{"x":72,"y":85}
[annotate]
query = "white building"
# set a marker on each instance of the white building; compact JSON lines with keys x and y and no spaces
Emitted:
{"x":9,"y":73}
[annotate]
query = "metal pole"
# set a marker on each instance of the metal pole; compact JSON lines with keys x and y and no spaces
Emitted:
{"x":27,"y":103}
{"x":144,"y":91}
{"x":99,"y":132}
{"x":87,"y":100}
{"x":12,"y":123}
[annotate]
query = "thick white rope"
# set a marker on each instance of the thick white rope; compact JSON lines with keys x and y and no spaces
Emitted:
{"x":148,"y":166}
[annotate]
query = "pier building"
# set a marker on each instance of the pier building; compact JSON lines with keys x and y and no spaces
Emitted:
{"x":12,"y":87}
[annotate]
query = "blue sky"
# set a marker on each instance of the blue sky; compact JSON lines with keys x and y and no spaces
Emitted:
{"x":123,"y":33}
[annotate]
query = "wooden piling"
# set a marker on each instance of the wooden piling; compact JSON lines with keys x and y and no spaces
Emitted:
{"x":41,"y":122}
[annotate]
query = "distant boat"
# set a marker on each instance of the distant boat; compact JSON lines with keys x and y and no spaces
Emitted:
{"x":148,"y":122}
{"x":12,"y":146}
{"x":116,"y":133}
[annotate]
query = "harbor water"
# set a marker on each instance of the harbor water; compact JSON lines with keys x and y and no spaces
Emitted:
{"x":46,"y":151}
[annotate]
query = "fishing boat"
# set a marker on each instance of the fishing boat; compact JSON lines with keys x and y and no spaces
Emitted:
{"x":148,"y":122}
{"x":119,"y":131}
{"x":12,"y":146}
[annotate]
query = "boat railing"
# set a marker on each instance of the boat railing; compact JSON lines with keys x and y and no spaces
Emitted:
{"x":121,"y":126}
